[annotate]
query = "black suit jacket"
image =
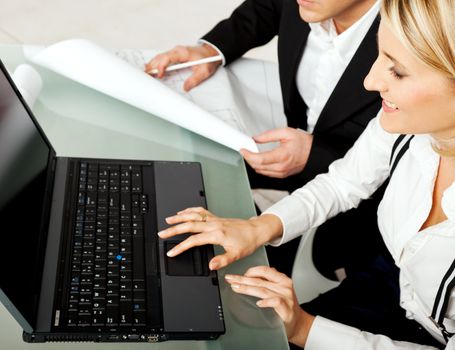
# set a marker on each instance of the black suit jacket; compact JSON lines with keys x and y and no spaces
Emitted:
{"x":349,"y":108}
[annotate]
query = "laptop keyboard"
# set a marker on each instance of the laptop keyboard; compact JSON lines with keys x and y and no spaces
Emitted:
{"x":107,"y":279}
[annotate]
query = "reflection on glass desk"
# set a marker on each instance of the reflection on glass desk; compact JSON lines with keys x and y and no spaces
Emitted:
{"x":81,"y":122}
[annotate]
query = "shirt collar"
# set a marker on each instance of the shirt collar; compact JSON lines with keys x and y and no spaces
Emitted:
{"x":428,"y":160}
{"x":448,"y":202}
{"x":347,"y":42}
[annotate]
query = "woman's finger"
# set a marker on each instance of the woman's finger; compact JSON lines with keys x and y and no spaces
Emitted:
{"x":268,"y":273}
{"x":281,"y":307}
{"x":194,"y":241}
{"x":186,"y":217}
{"x":256,"y":282}
{"x":186,"y":227}
{"x":254,"y":291}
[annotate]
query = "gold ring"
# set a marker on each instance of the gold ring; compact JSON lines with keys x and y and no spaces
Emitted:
{"x":203,"y":217}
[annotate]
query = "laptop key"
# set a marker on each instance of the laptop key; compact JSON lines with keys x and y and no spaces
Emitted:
{"x":112,"y":315}
{"x":72,"y":318}
{"x":139,"y":305}
{"x":84,"y":320}
{"x":139,"y":318}
{"x":98,"y":321}
{"x":138,"y":295}
{"x":138,"y":261}
{"x":139,"y":285}
{"x":126,"y":313}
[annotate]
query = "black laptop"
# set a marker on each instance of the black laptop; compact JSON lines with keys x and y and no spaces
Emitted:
{"x":81,"y":257}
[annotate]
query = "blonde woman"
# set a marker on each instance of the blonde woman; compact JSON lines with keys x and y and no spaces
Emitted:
{"x":415,"y":75}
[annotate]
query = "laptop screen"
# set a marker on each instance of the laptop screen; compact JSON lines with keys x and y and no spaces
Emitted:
{"x":24,"y":157}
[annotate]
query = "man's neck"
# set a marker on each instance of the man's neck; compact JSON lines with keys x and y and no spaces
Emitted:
{"x":352,"y":15}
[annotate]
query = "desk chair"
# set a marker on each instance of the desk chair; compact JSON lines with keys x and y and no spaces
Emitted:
{"x":308,"y":282}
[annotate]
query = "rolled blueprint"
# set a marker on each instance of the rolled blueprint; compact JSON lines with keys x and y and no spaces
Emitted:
{"x":28,"y":82}
{"x":93,"y":66}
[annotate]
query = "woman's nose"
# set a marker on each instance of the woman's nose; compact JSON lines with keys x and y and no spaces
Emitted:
{"x":375,"y":81}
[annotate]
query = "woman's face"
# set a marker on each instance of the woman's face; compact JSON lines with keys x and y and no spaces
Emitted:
{"x":416,"y":98}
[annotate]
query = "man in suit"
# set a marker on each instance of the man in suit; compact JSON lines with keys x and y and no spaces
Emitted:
{"x":325,"y":49}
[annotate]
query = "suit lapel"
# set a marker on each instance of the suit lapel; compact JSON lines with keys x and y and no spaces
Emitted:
{"x":291,"y":44}
{"x":349,"y":94}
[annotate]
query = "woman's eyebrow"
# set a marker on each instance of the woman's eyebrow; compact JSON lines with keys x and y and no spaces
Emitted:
{"x":393,"y":59}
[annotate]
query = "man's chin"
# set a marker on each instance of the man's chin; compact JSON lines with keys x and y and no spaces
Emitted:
{"x":309,"y":16}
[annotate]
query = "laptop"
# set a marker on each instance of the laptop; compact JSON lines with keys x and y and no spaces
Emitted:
{"x":81,"y":257}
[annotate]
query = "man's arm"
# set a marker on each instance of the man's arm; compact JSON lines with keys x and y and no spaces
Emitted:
{"x":254,"y":23}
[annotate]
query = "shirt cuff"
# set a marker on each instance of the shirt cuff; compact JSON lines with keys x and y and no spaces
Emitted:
{"x":327,"y":334}
{"x":202,"y":41}
{"x":291,"y":219}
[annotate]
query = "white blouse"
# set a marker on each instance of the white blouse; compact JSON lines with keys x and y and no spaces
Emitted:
{"x":423,"y":257}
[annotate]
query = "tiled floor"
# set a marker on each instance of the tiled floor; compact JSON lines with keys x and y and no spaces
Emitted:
{"x":116,"y":23}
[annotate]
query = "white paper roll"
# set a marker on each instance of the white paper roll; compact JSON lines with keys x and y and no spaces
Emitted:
{"x":28,"y":82}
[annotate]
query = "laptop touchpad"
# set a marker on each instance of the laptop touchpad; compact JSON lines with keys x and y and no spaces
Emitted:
{"x":193,"y":262}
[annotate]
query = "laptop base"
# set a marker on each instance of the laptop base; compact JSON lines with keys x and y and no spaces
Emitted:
{"x":113,"y":338}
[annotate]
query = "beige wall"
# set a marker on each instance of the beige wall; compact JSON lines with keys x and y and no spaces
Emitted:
{"x":116,"y":23}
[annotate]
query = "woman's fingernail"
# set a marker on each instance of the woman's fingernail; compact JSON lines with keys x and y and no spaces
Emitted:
{"x":235,"y":286}
{"x":229,"y":277}
{"x":259,"y":303}
{"x":170,"y":253}
{"x":213,"y":266}
{"x":161,"y":233}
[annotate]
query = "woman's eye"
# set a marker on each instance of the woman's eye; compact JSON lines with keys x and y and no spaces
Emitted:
{"x":395,"y":74}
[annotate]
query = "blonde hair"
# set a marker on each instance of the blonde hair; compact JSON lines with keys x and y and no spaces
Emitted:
{"x":427,"y":29}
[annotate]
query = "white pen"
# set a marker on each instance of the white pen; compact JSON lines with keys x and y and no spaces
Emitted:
{"x":188,"y":64}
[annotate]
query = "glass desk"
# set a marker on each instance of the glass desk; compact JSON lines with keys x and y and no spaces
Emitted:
{"x":81,"y":122}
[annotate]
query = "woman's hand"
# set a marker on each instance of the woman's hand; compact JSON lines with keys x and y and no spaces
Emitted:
{"x":239,"y":238}
{"x":275,"y":290}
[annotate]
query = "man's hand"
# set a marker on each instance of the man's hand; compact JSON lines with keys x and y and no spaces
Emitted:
{"x":289,"y":158}
{"x":180,"y":54}
{"x":239,"y":238}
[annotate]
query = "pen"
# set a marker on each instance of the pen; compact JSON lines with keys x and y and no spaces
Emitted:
{"x":188,"y":64}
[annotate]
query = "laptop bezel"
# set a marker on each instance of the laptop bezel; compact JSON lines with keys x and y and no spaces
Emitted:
{"x":45,"y":215}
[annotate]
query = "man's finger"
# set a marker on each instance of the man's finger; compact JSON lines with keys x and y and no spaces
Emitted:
{"x":274,"y":135}
{"x":263,"y":158}
{"x":274,"y":174}
{"x":199,"y":75}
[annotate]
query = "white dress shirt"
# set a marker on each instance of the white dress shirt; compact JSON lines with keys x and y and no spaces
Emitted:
{"x":325,"y":58}
{"x":423,"y":257}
